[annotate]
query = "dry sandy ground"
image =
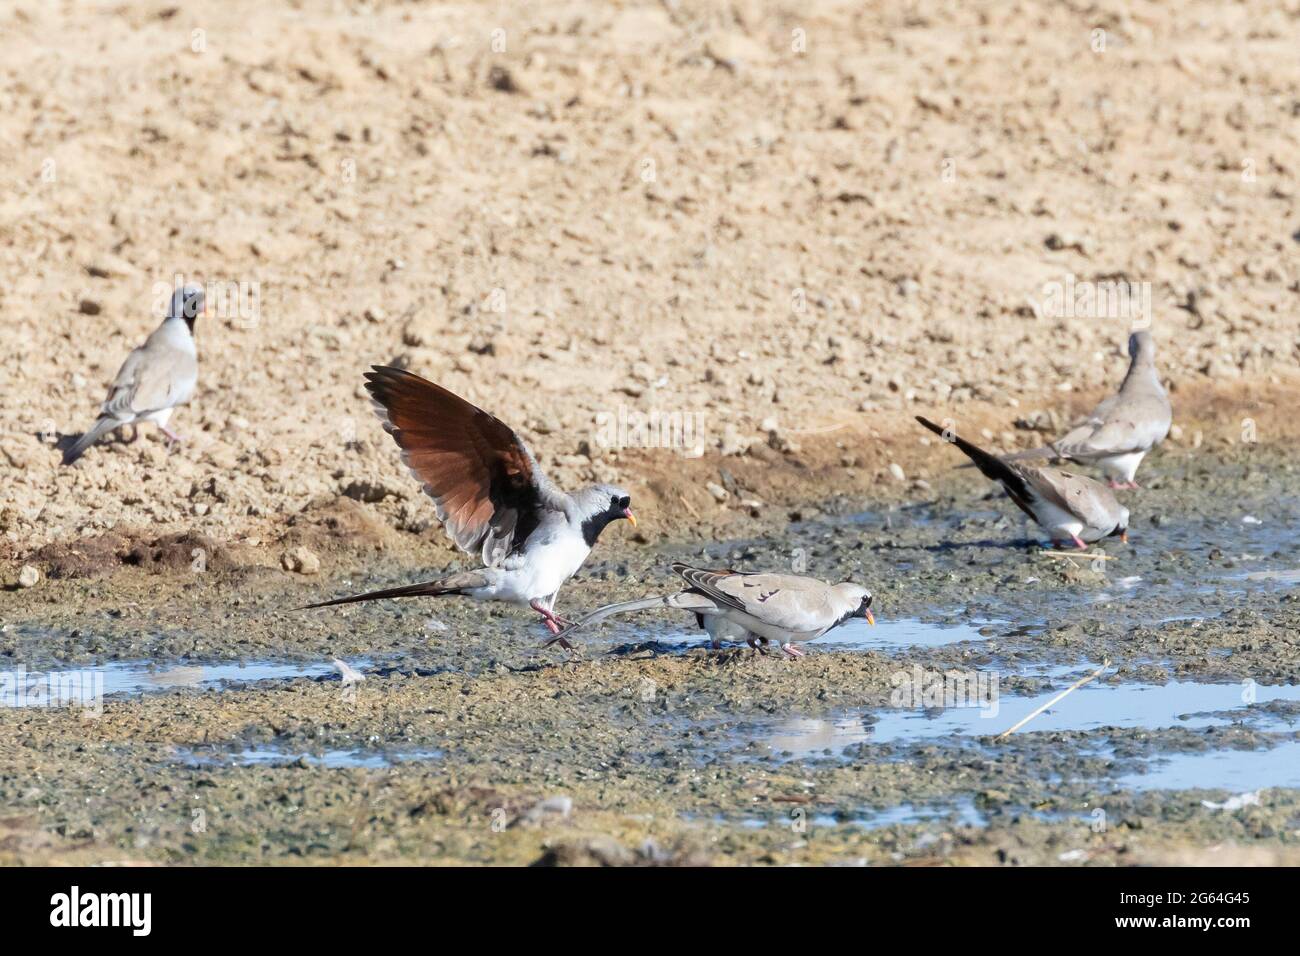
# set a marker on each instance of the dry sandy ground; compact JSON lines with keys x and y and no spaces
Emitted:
{"x":814,"y":218}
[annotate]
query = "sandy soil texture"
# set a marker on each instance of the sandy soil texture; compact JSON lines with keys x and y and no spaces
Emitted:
{"x":791,"y":225}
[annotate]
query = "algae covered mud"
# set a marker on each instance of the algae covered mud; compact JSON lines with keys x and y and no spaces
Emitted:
{"x":200,"y":721}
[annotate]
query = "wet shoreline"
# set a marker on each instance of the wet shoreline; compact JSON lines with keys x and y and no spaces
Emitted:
{"x":467,"y":743}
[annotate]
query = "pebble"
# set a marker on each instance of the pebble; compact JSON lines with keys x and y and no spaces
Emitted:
{"x":366,"y":490}
{"x":28,"y":577}
{"x":896,"y":470}
{"x":732,"y":443}
{"x":720,"y":493}
{"x":301,"y":560}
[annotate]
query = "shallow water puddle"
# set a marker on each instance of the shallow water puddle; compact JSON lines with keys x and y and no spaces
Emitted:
{"x":962,"y":813}
{"x":1286,"y":577}
{"x":23,"y":688}
{"x":888,"y":634}
{"x":903,"y":632}
{"x":1172,"y":570}
{"x":1236,"y":770}
{"x":328,"y":759}
{"x":1175,"y":704}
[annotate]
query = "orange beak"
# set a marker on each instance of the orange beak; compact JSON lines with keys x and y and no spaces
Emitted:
{"x":1124,"y":536}
{"x":627,"y":513}
{"x":871,"y":618}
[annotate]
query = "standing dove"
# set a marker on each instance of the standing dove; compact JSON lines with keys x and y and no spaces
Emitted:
{"x":1123,"y":428}
{"x":155,"y":378}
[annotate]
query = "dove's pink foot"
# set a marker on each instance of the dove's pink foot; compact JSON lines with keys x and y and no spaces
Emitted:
{"x":1079,"y":542}
{"x":792,"y":650}
{"x":553,"y":620}
{"x":172,"y":436}
{"x":551,"y":625}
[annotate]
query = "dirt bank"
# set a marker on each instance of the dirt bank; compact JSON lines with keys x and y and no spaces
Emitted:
{"x":813,"y":220}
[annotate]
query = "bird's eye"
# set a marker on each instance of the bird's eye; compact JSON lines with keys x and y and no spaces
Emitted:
{"x":866,"y":602}
{"x":624,"y":501}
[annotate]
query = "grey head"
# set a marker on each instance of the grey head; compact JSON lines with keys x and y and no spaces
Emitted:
{"x":187,"y":303}
{"x":1142,"y":375}
{"x":598,"y":505}
{"x":856,"y":600}
{"x":1141,"y":347}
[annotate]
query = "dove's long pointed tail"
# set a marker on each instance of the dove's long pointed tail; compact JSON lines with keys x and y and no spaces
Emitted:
{"x":423,"y":589}
{"x":623,"y":607}
{"x":1043,"y":451}
{"x":92,"y":434}
{"x":992,"y":466}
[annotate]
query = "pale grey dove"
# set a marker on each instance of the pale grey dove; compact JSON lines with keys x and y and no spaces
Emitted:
{"x":757,"y":607}
{"x":1123,"y":428}
{"x":155,"y":378}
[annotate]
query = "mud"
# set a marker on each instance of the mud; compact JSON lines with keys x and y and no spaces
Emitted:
{"x":468,"y":743}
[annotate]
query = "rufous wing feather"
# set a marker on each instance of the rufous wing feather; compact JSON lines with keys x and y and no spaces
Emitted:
{"x":481,"y":476}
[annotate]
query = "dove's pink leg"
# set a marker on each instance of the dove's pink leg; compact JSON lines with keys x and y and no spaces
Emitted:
{"x":171,"y":435}
{"x":553,"y":620}
{"x":791,"y":650}
{"x":1079,"y":543}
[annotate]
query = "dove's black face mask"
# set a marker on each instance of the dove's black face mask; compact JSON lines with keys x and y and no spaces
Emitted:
{"x":191,"y":307}
{"x":619,"y":507}
{"x":863,"y":610}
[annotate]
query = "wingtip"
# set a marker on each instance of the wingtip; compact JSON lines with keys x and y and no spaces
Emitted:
{"x":377,"y":373}
{"x":382,"y":379}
